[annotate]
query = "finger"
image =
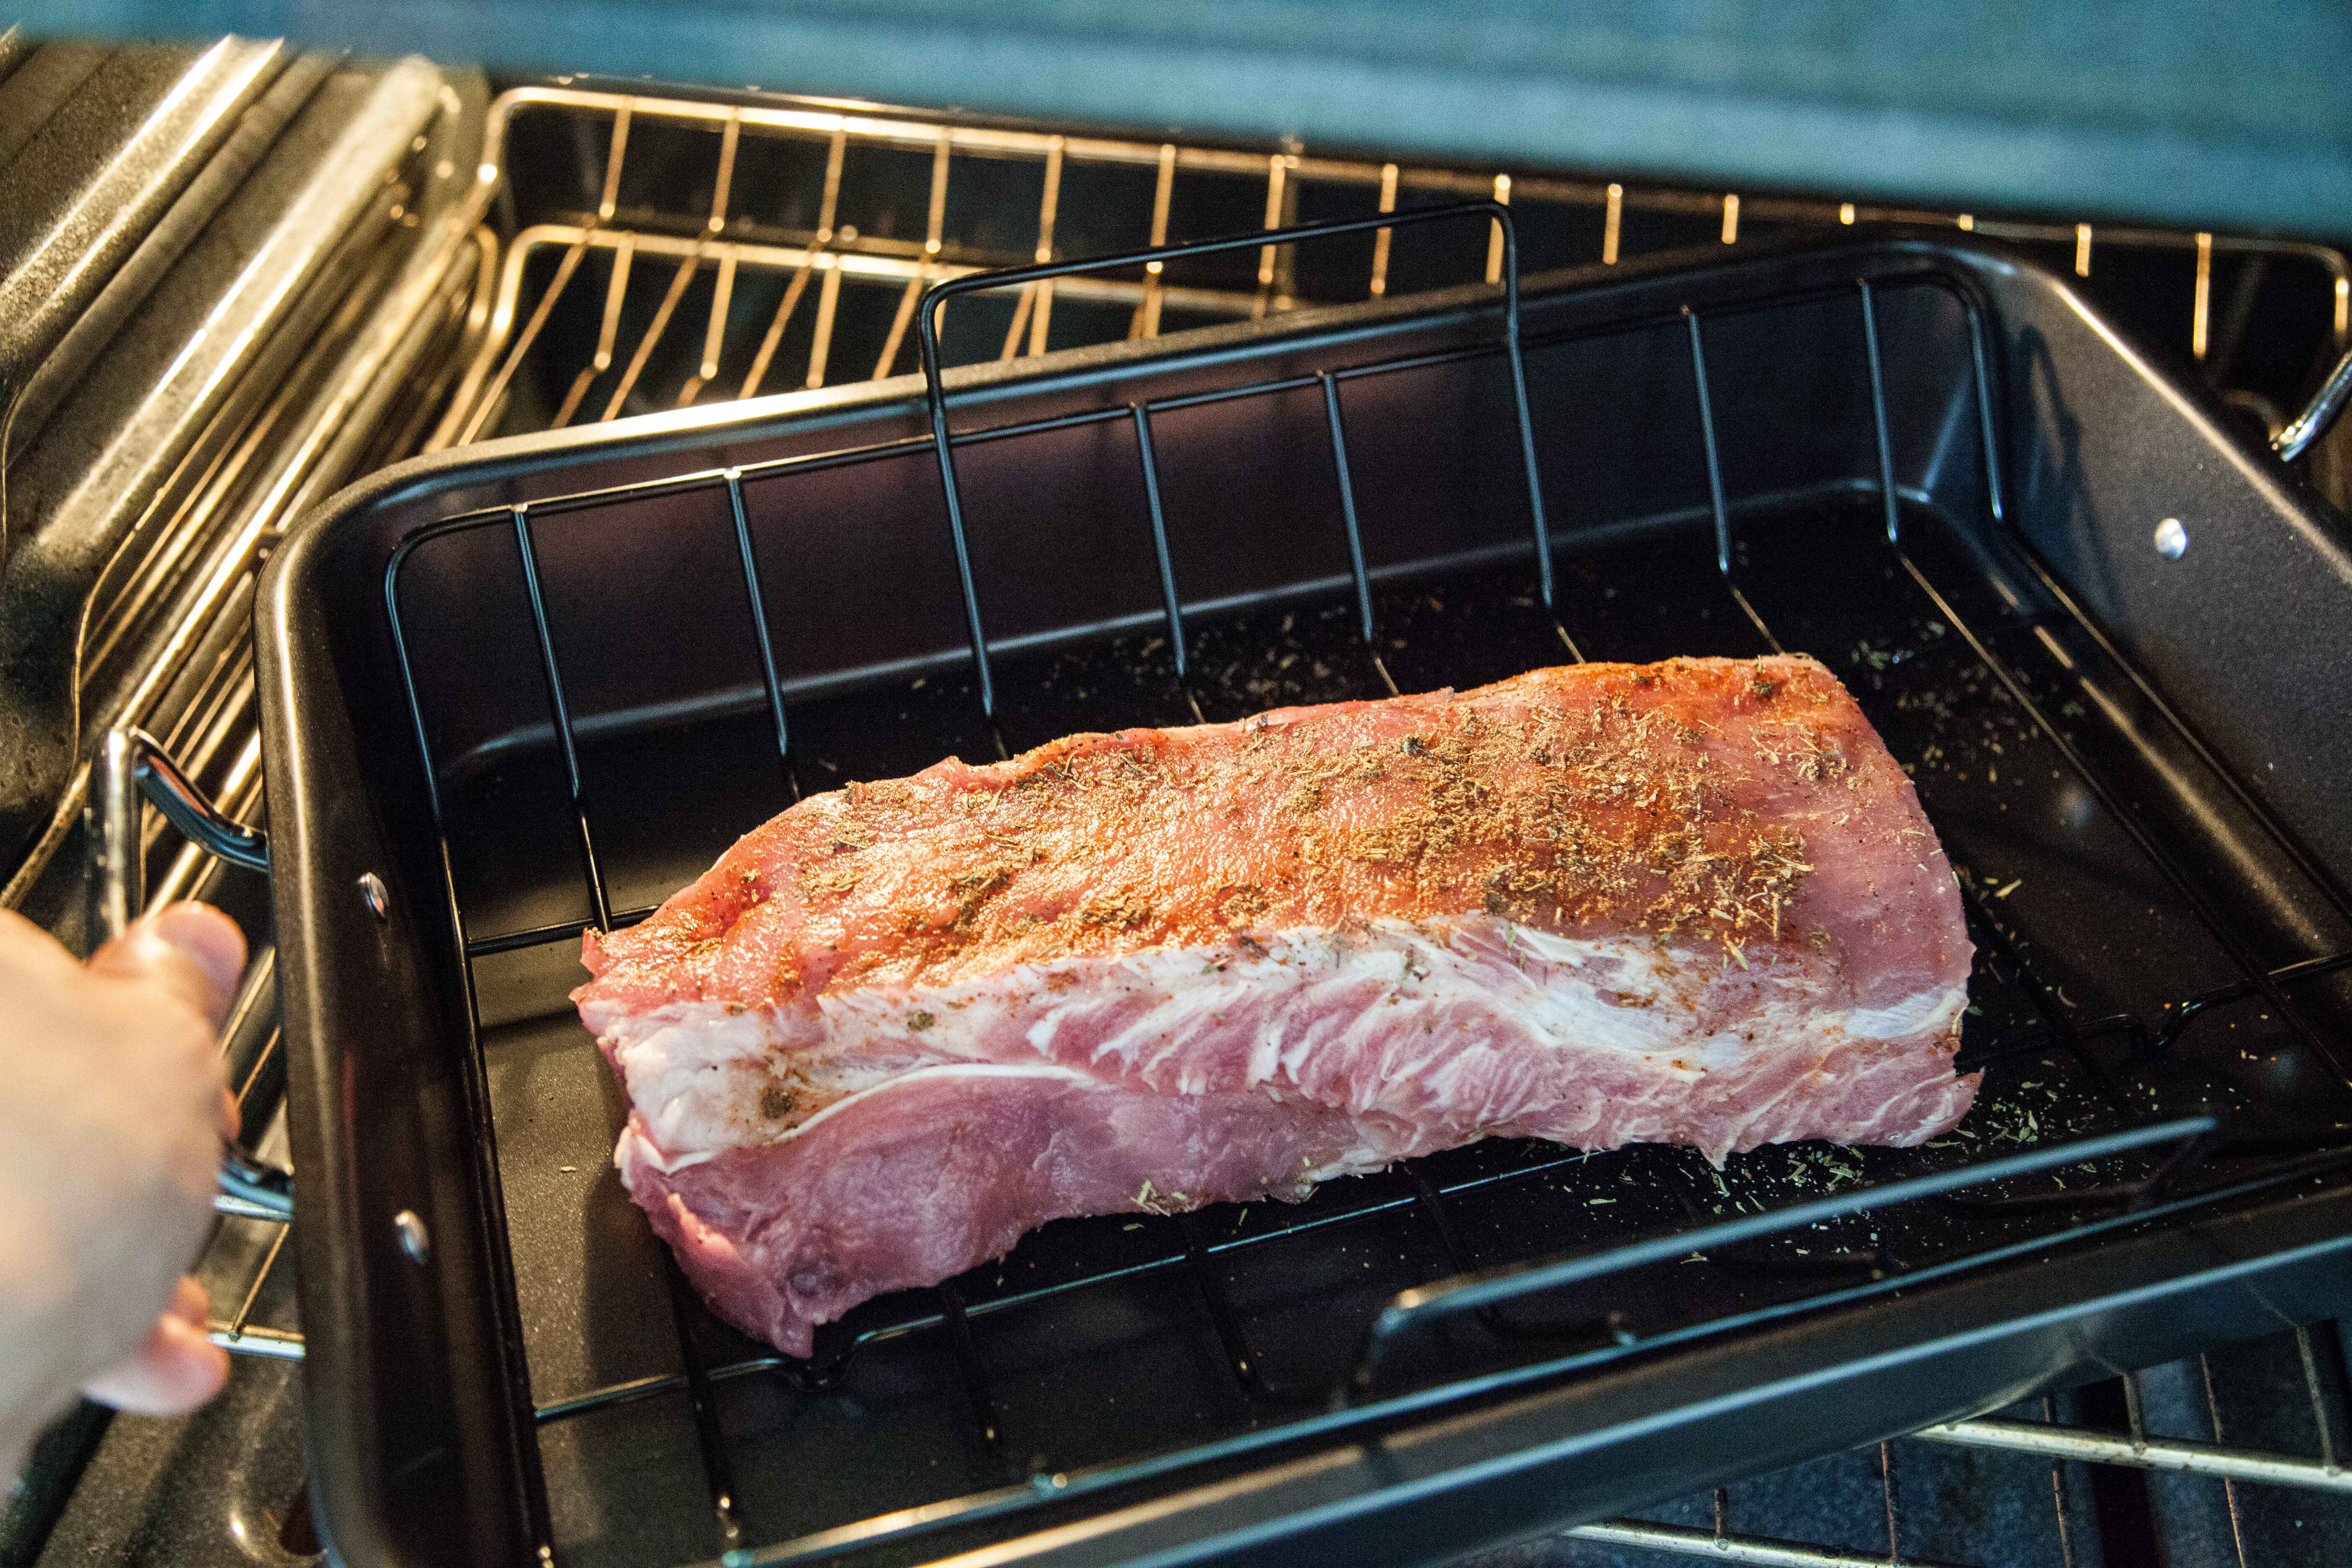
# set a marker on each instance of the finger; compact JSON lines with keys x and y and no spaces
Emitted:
{"x":175,"y":1371}
{"x":193,"y":951}
{"x":189,"y":1303}
{"x":25,"y":946}
{"x":231,"y":1120}
{"x":210,"y":938}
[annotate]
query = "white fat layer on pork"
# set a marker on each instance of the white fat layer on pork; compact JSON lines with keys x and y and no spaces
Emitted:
{"x":634,"y":1149}
{"x":1930,"y":1012}
{"x":697,"y":1072}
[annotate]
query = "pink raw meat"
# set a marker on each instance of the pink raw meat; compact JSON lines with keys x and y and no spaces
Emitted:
{"x":902,"y":1024}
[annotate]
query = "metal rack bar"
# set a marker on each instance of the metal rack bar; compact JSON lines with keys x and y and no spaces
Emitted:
{"x":1348,"y":502}
{"x":2200,"y":309}
{"x":2229,"y":1483}
{"x":2058,"y":1490}
{"x":775,"y":334}
{"x":1987,"y":435}
{"x":1142,"y":417}
{"x":1221,"y":1311}
{"x":1458,"y":1255}
{"x":554,"y":677}
{"x":256,"y":1340}
{"x":933,"y":228}
{"x":1048,"y":207}
{"x":828,"y":301}
{"x":617,"y":289}
{"x":759,"y":603}
{"x":2320,"y":1416}
{"x":2178,"y":1020}
{"x":718,"y":1470}
{"x":1514,"y":351}
{"x":1381,"y":237}
{"x":1706,"y":431}
{"x":250,"y":1042}
{"x":237,"y":1324}
{"x":2142,"y":1452}
{"x":1276,"y":166}
{"x":1894,"y":1512}
{"x":1020,"y":309}
{"x":652,"y":334}
{"x":1878,"y":416}
{"x":967,"y":1355}
{"x":1495,"y":236}
{"x":1680,"y":1540}
{"x":714,"y":336}
{"x":1147,"y":313}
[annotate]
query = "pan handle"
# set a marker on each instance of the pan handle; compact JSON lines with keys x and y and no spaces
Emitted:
{"x":130,"y":764}
{"x":2317,"y":415}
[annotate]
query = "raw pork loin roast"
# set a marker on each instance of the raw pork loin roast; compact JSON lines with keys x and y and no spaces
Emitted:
{"x":905,"y":1022}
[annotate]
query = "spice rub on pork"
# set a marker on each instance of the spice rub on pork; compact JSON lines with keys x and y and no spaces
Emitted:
{"x":905,"y":1022}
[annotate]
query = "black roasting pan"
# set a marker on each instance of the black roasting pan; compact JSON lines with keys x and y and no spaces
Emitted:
{"x":536,"y":684}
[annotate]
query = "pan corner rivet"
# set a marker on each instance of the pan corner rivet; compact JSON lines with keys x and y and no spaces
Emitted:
{"x":414,"y":1238}
{"x":373,"y":894}
{"x":2171,"y":538}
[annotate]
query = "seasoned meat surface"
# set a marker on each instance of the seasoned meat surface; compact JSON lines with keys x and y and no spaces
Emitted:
{"x":903,"y":1023}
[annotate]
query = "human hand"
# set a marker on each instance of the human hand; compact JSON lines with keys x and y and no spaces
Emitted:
{"x":112,"y":1106}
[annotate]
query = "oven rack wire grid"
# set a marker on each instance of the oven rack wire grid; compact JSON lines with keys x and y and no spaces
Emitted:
{"x":671,"y":251}
{"x":2124,"y":1148}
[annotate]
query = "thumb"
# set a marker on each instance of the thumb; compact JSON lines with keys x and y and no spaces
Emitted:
{"x":176,"y":1370}
{"x":193,"y":951}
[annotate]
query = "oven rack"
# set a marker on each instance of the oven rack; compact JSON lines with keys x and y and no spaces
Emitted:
{"x":2134,"y":1198}
{"x":1701,"y":1527}
{"x":782,"y":228}
{"x":174,"y":640}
